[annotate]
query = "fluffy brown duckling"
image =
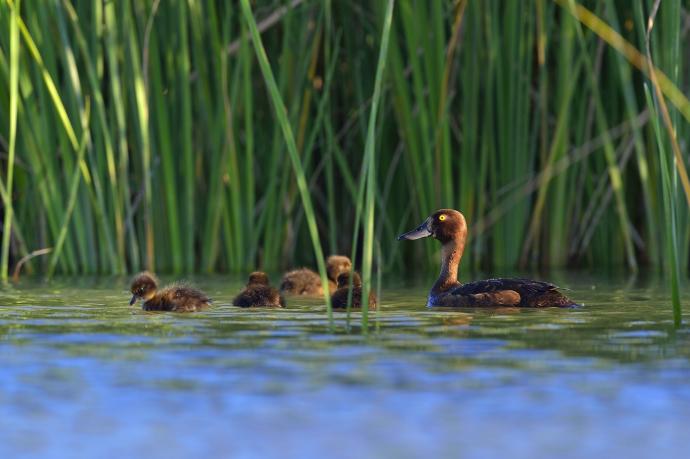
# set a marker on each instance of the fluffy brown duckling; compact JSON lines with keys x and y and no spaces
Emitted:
{"x":304,"y":281}
{"x":339,"y":297}
{"x":449,"y":227}
{"x":175,"y":298}
{"x":258,"y":292}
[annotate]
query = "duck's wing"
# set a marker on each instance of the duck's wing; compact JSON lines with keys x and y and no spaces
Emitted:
{"x":525,"y":287}
{"x":532,"y":293}
{"x":485,"y":299}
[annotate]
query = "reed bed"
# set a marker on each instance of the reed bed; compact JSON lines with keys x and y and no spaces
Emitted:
{"x":202,"y":136}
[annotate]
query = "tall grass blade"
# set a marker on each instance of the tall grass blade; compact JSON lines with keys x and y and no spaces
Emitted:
{"x":370,"y":160}
{"x":72,"y":197}
{"x":14,"y":100}
{"x":670,"y":167}
{"x":531,"y":119}
{"x":282,"y":117}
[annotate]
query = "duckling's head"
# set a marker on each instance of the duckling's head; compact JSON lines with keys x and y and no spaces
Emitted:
{"x":444,"y":225}
{"x":344,"y":279}
{"x":258,"y":278}
{"x":144,"y":286}
{"x":336,"y":264}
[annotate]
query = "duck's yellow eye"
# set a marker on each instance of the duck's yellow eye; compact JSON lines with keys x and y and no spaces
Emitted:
{"x":441,"y":217}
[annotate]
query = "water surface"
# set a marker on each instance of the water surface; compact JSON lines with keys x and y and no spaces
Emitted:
{"x":85,"y":375}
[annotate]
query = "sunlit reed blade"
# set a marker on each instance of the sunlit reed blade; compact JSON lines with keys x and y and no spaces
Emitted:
{"x":370,"y":159}
{"x":281,"y":115}
{"x":668,"y":171}
{"x":14,"y":100}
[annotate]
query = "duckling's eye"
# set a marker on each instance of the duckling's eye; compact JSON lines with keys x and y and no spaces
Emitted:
{"x":441,"y":217}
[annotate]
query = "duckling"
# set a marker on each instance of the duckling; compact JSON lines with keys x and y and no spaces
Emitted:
{"x":258,"y":292}
{"x":176,"y":297}
{"x":307,"y":282}
{"x":449,"y":227}
{"x":339,"y":297}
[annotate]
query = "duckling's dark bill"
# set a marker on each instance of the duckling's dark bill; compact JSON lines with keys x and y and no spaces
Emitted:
{"x":133,"y":300}
{"x":418,"y":233}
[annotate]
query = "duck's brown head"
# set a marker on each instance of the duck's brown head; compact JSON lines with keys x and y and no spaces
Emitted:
{"x":144,"y":286}
{"x":258,"y":278}
{"x":336,"y":264}
{"x":344,"y":280}
{"x":444,"y":225}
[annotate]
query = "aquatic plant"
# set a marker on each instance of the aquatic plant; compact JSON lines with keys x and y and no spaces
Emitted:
{"x":672,"y":168}
{"x":158,"y":134}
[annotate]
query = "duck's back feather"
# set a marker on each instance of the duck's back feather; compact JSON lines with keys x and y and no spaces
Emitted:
{"x":532,"y":293}
{"x":178,"y":298}
{"x":259,"y":295}
{"x":301,"y":282}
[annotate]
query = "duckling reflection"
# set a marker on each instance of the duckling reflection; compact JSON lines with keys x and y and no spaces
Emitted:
{"x":258,"y":292}
{"x":339,"y":297}
{"x":175,"y":297}
{"x":457,"y":319}
{"x":304,"y":281}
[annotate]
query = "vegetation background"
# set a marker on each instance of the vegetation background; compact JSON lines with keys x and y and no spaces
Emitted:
{"x":144,"y":134}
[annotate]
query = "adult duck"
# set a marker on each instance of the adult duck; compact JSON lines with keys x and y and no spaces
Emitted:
{"x":449,"y":227}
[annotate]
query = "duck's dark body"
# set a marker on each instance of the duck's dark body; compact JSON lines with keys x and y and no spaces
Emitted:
{"x":339,"y":297}
{"x":174,"y":298}
{"x":258,"y":293}
{"x":449,"y":227}
{"x":178,"y":298}
{"x":517,"y":292}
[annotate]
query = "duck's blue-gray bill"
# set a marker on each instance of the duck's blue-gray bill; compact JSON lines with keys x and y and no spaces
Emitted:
{"x":133,"y":300}
{"x":418,"y":233}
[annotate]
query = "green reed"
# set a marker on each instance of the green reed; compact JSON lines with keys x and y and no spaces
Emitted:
{"x":14,"y":101}
{"x":670,"y":171}
{"x":142,"y":135}
{"x":370,"y":161}
{"x":281,"y":115}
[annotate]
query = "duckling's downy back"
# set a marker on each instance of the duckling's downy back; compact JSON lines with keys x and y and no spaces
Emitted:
{"x":339,"y":297}
{"x":258,"y":292}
